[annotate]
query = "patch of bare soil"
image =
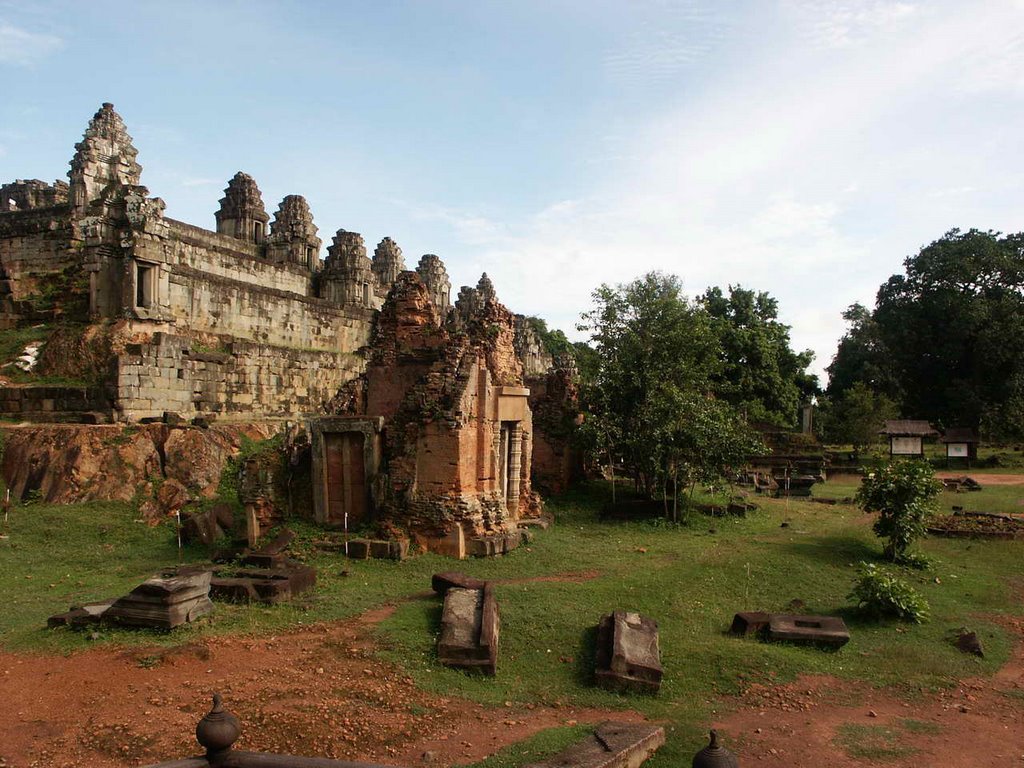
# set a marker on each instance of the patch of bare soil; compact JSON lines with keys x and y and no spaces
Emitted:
{"x":980,"y":723}
{"x":319,"y":691}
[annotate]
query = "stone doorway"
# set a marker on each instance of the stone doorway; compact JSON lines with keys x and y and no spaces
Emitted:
{"x":346,"y":458}
{"x":345,"y":478}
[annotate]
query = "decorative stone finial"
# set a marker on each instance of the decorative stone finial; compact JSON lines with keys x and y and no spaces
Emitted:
{"x":715,"y":756}
{"x":217,"y":731}
{"x":241,"y":213}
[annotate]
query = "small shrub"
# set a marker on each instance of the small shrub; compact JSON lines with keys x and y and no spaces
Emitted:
{"x":883,"y":594}
{"x":903,"y":493}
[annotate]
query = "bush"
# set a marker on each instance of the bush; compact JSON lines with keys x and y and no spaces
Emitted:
{"x":903,"y":493}
{"x":883,"y":594}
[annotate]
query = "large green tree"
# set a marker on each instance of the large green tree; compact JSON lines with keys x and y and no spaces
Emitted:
{"x":648,"y":401}
{"x":862,"y":358}
{"x":953,"y":327}
{"x":760,"y":374}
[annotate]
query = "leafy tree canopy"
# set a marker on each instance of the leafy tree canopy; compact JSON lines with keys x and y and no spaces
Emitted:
{"x":656,"y":355}
{"x":760,"y":374}
{"x":953,"y":326}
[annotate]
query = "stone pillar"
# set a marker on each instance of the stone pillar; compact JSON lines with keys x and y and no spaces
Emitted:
{"x":515,"y":470}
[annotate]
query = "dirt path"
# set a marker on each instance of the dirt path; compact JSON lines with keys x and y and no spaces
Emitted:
{"x":318,"y":692}
{"x":979,"y":724}
{"x":985,"y":478}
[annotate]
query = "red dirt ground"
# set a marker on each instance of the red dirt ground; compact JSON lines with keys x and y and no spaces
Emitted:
{"x":320,"y":691}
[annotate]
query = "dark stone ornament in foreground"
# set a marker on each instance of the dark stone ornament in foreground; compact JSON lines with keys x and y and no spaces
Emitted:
{"x":217,"y":731}
{"x":715,"y":756}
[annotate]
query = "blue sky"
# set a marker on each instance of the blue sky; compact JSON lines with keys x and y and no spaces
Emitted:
{"x":802,"y":147}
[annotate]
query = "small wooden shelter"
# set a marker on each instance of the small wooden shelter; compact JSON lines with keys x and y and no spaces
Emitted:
{"x":907,"y":436}
{"x":961,"y":443}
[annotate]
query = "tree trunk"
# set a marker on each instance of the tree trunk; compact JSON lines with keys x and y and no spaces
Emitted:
{"x":611,"y":467}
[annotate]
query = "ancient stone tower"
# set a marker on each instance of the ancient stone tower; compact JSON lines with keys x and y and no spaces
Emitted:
{"x":387,"y":265}
{"x":103,"y":157}
{"x":435,"y":277}
{"x":347,"y":277}
{"x":293,"y":237}
{"x":241,"y":213}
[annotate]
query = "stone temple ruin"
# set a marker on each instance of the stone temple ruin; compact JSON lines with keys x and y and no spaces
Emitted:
{"x":431,"y":416}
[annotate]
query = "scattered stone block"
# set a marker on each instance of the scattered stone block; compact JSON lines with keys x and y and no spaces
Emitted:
{"x":611,"y":745}
{"x":378,"y":549}
{"x":748,"y":623}
{"x":628,"y":656}
{"x":820,"y":630}
{"x":968,"y":642}
{"x":164,"y":602}
{"x":442,"y":582}
{"x":469,"y":630}
{"x":496,"y":544}
{"x":81,"y":616}
{"x":264,"y":585}
{"x":271,"y":555}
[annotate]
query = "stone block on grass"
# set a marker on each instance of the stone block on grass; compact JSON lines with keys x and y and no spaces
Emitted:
{"x":628,"y":655}
{"x":470,"y":627}
{"x":814,"y":630}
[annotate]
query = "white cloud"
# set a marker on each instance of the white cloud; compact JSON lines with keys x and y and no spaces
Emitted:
{"x":21,"y":47}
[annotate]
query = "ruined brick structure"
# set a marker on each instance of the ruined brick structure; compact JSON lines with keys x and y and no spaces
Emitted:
{"x":554,"y":402}
{"x":443,"y":400}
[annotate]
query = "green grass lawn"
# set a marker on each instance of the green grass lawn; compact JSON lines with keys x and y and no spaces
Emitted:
{"x":690,"y":578}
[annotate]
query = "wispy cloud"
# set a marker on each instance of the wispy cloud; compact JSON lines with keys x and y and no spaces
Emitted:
{"x":21,"y":47}
{"x":842,"y":23}
{"x":665,"y":39}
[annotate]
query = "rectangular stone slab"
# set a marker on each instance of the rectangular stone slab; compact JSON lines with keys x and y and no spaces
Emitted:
{"x":469,"y":630}
{"x":823,"y":630}
{"x":612,"y":745}
{"x":628,"y":656}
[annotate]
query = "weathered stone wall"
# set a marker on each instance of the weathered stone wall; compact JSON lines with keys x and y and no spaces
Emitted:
{"x":229,"y":257}
{"x":554,"y":401}
{"x":242,"y":380}
{"x":47,"y":403}
{"x":34,"y":244}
